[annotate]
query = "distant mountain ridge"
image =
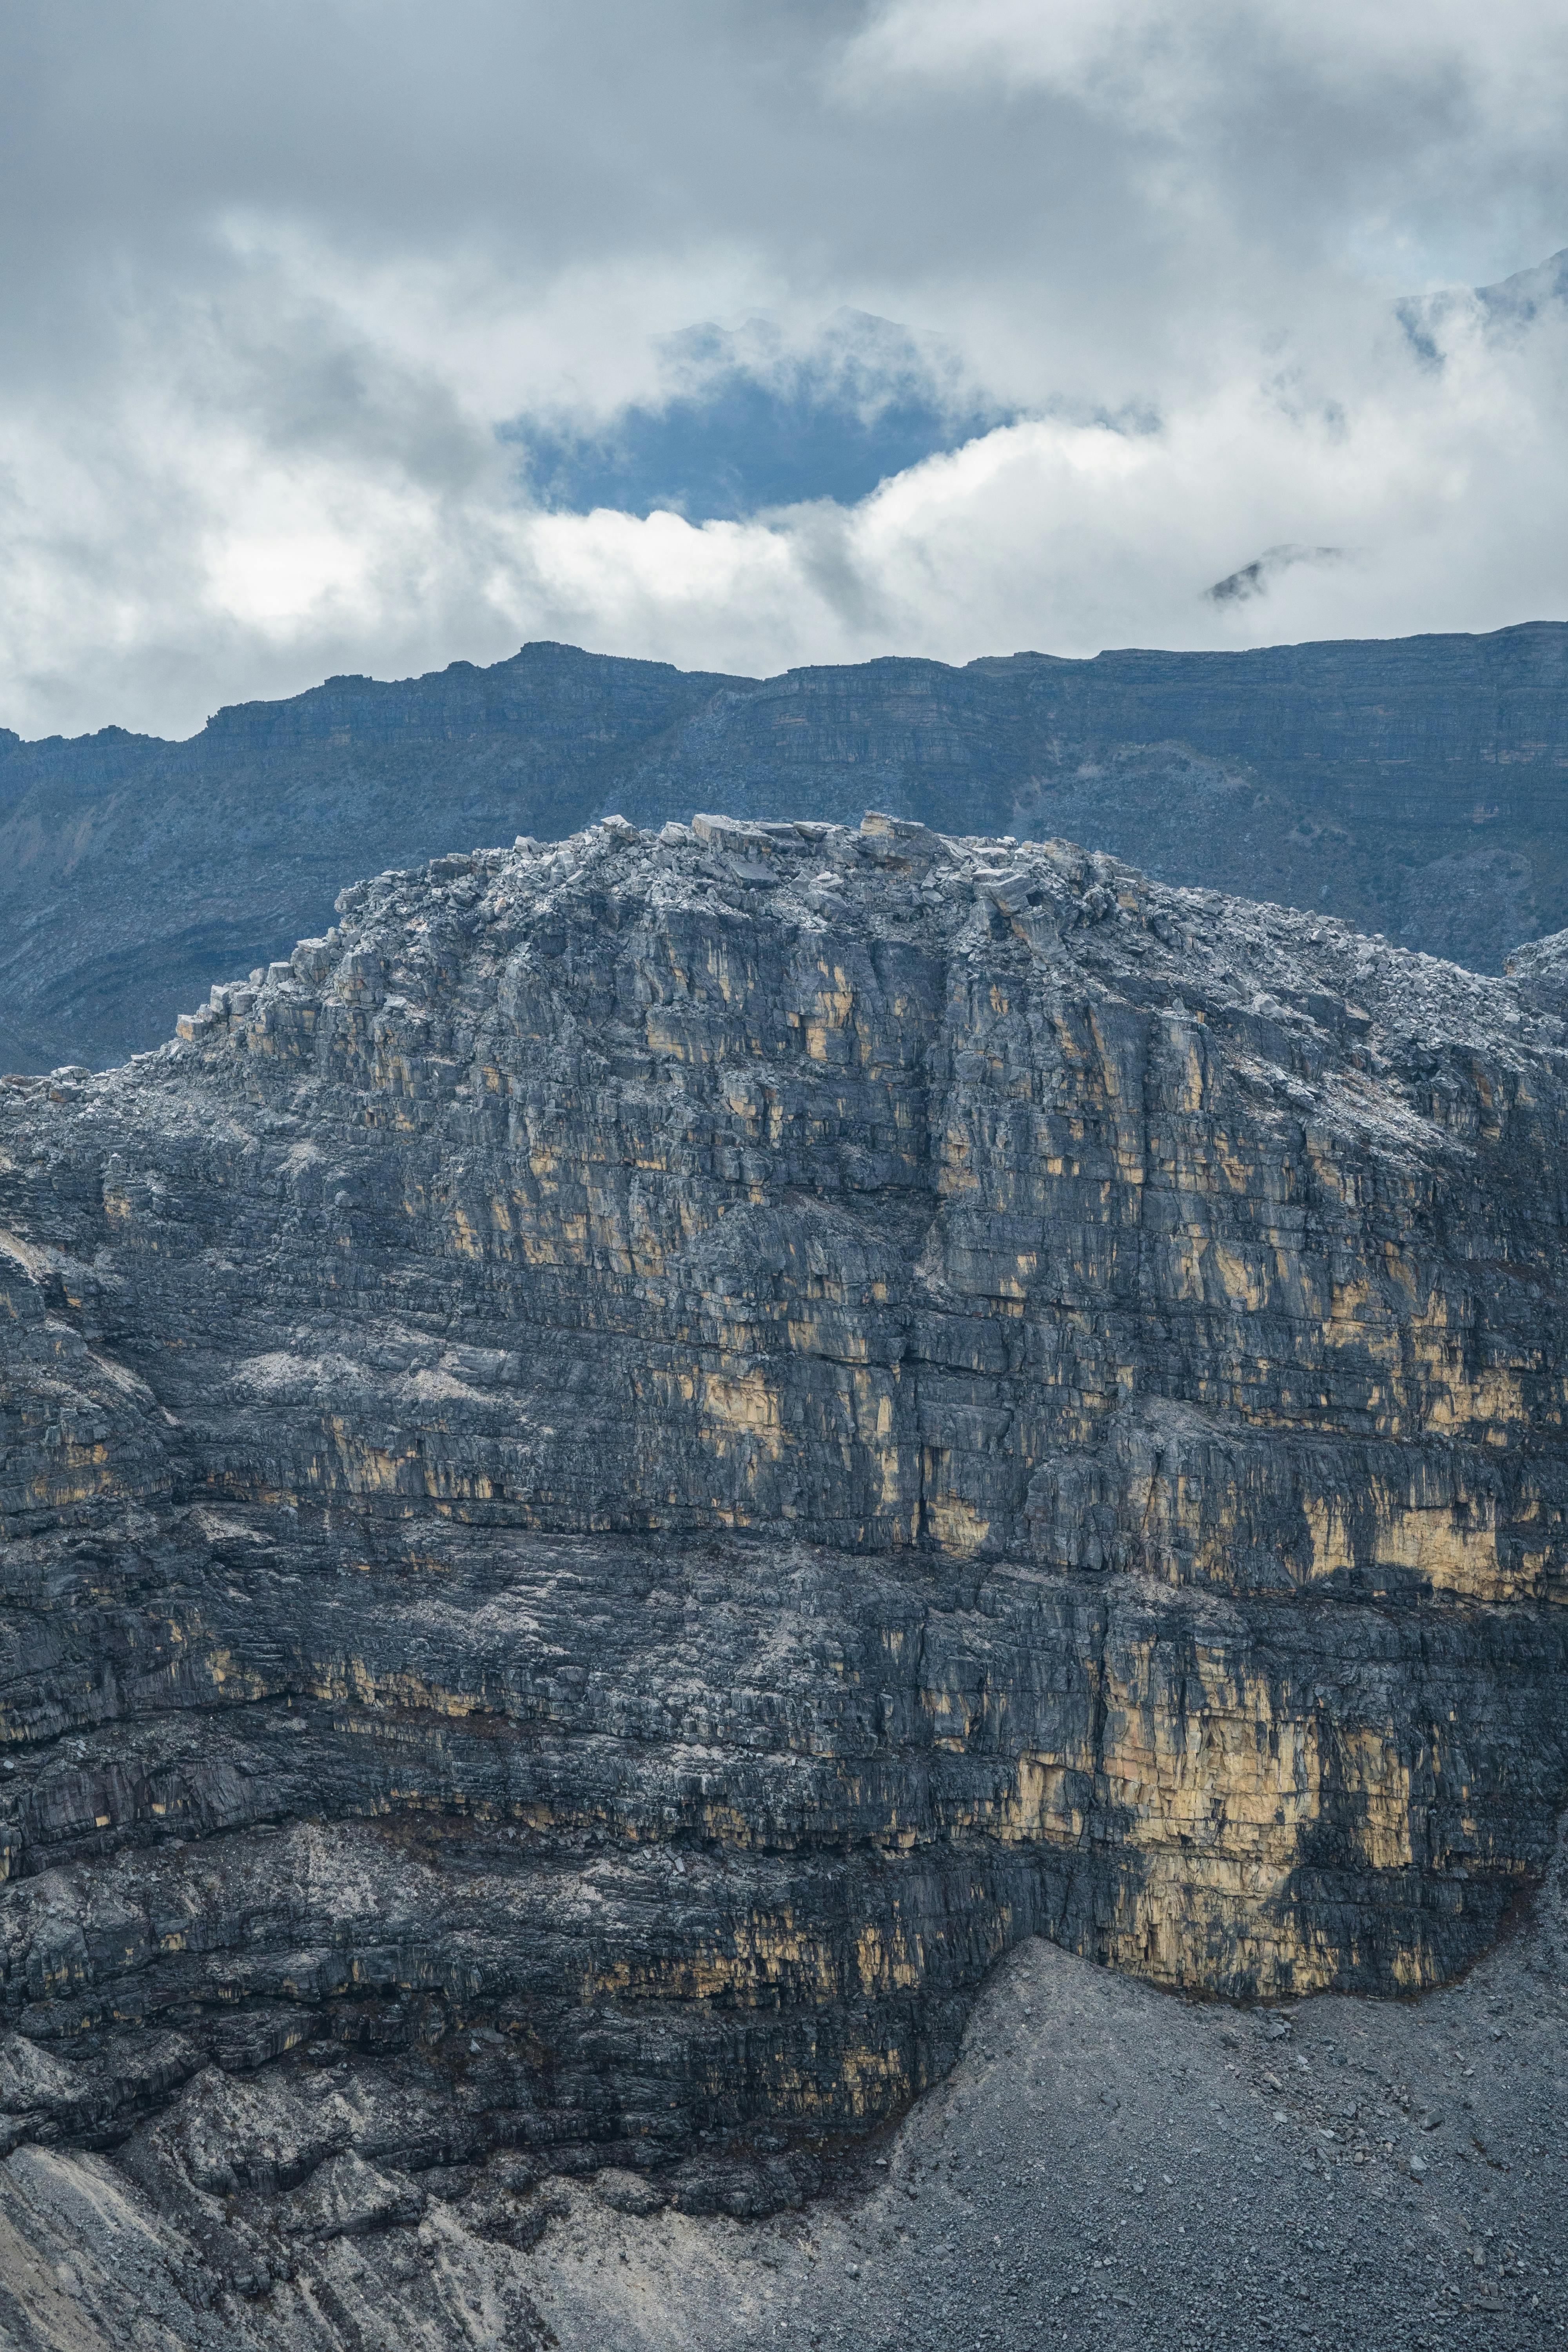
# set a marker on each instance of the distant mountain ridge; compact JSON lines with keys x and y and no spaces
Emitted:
{"x":1413,"y":785}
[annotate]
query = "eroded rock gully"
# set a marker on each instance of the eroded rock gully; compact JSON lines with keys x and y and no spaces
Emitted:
{"x":624,"y":1472}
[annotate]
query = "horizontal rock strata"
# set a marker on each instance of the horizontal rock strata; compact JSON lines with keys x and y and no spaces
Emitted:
{"x":620,"y":1474}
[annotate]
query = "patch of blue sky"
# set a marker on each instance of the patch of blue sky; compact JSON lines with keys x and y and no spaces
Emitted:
{"x":747,"y":425}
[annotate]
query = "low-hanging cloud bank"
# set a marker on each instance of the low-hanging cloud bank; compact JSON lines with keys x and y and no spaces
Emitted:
{"x":1431,"y":500}
{"x":255,"y":400}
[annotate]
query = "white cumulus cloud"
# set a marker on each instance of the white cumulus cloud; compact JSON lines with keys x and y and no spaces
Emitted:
{"x":276,"y":283}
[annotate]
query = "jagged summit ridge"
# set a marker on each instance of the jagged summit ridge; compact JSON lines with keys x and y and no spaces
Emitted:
{"x":1048,"y":880}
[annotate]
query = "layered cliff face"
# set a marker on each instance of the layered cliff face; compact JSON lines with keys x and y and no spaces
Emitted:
{"x":622,"y":1473}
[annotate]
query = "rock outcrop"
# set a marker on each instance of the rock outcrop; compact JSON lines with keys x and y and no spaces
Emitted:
{"x":622,"y":1472}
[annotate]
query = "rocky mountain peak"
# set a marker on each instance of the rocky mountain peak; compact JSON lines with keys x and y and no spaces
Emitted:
{"x":625,"y":1469}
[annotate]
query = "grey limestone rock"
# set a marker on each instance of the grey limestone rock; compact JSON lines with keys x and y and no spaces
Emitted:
{"x":627,"y":1469}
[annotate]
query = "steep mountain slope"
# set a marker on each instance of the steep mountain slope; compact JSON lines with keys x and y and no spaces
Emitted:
{"x":625,"y":1470}
{"x":1413,"y":786}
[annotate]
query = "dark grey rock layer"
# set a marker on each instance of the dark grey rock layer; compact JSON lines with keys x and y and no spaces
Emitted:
{"x":624,"y":1471}
{"x":1412,"y":786}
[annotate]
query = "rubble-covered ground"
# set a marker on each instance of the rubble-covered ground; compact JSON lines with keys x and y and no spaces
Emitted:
{"x":1107,"y":2165}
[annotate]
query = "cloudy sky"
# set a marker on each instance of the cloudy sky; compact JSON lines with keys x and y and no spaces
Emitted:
{"x":367,"y":336}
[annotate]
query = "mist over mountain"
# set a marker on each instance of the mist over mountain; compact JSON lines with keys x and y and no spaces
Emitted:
{"x":749,"y":420}
{"x":905,"y":340}
{"x":1527,"y":292}
{"x":1412,"y":786}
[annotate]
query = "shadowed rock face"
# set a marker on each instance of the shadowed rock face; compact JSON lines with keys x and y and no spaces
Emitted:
{"x":624,"y":1472}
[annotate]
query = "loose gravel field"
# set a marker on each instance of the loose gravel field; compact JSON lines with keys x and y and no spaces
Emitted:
{"x":1110,"y":2167}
